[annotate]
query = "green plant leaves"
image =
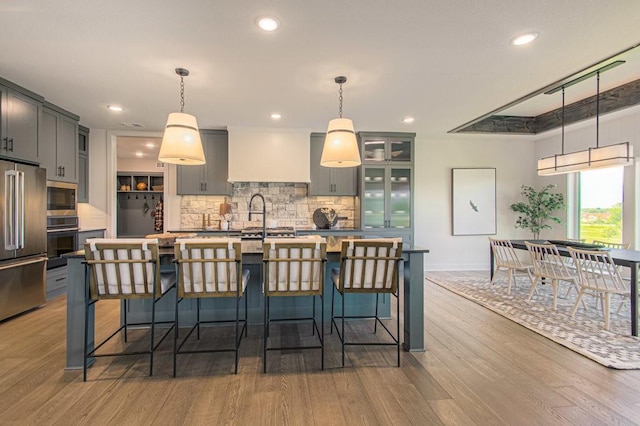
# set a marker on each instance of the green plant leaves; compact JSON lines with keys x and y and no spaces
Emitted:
{"x":536,"y":211}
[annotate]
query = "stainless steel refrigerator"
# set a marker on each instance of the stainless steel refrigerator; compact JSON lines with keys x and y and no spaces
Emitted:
{"x":23,"y":237}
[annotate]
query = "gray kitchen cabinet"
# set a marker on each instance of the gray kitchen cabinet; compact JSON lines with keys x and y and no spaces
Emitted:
{"x":56,"y":284}
{"x":83,"y":236}
{"x":329,"y":180}
{"x":386,"y":147}
{"x":210,"y":178}
{"x":19,"y":123}
{"x":83,"y":164}
{"x":387,"y":187}
{"x":59,"y":144}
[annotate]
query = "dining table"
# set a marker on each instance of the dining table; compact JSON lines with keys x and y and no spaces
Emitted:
{"x":412,"y":278}
{"x":622,"y":257}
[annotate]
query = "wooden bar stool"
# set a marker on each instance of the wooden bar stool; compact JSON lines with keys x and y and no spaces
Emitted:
{"x":124,"y":269}
{"x":368,"y":266}
{"x":210,"y":268}
{"x":294,"y":267}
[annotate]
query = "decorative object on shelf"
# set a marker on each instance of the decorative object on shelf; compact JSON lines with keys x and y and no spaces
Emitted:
{"x":181,"y":143}
{"x":473,"y":201}
{"x":325,"y":218}
{"x":599,"y":157}
{"x":141,"y":186}
{"x":340,"y":144}
{"x":536,"y":211}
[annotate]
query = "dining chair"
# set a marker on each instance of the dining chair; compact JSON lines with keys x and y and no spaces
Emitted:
{"x":598,"y":275}
{"x":505,"y":258}
{"x":209,"y":268}
{"x":124,"y":269}
{"x":624,"y":246}
{"x":294,"y":267}
{"x":368,"y":266}
{"x":548,"y":264}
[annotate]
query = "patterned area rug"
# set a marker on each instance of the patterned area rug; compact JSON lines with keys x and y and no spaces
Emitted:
{"x":583,"y":334}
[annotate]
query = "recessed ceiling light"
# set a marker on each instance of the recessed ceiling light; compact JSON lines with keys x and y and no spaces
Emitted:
{"x":114,"y":108}
{"x":524,"y":39}
{"x":408,"y":120}
{"x":150,"y":145}
{"x":276,"y":116}
{"x":267,"y":23}
{"x":139,"y":154}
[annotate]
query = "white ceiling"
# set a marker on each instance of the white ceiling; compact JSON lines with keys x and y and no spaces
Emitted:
{"x":443,"y":62}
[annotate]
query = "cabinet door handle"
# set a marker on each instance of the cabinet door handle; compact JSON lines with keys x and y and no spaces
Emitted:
{"x":5,"y":143}
{"x":59,"y":171}
{"x":63,"y":171}
{"x":11,"y":142}
{"x":205,"y":186}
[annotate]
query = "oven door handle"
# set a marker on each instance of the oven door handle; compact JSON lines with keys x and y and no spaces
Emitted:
{"x":53,"y":231}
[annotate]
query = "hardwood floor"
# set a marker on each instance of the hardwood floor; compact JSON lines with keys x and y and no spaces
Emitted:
{"x":479,"y":368}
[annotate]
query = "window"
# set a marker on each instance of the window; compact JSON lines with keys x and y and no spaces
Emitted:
{"x":601,"y":205}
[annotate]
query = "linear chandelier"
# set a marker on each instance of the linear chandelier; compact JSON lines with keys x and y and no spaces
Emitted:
{"x":600,"y":157}
{"x":181,"y":143}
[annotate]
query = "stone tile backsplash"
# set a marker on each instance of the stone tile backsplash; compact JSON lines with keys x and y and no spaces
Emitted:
{"x":287,"y":204}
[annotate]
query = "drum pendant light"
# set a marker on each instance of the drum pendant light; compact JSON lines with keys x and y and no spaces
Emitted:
{"x":181,"y":143}
{"x":340,"y":145}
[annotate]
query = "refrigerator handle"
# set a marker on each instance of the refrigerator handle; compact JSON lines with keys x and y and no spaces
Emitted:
{"x":20,"y":212}
{"x":10,"y":209}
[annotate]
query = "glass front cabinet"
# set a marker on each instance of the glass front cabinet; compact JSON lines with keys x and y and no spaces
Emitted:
{"x":386,"y":201}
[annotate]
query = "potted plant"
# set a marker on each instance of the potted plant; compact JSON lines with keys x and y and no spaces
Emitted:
{"x":536,"y":211}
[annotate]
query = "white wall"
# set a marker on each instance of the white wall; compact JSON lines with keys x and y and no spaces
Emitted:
{"x":513,"y":158}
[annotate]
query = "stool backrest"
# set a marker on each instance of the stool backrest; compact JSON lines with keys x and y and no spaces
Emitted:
{"x":504,"y":253}
{"x":369,"y":265}
{"x":123,"y":267}
{"x":597,"y":270}
{"x":294,"y":265}
{"x":208,"y":267}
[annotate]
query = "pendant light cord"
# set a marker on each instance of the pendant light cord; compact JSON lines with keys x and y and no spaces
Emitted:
{"x":597,"y":109}
{"x":340,"y":101}
{"x":562,"y":120}
{"x":181,"y":93}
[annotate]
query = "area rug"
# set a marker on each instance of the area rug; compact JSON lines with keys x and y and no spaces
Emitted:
{"x":583,"y":334}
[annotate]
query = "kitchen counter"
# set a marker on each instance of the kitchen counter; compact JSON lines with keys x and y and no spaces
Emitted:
{"x":412,"y":288}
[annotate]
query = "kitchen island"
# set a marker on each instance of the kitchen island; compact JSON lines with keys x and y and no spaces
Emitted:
{"x":413,"y":299}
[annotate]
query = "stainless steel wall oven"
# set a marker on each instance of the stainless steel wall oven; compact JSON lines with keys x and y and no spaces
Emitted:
{"x":62,"y":237}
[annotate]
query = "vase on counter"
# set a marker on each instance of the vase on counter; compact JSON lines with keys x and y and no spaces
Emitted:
{"x":224,"y":225}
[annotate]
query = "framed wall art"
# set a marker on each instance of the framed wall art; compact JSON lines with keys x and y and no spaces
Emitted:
{"x":473,"y":201}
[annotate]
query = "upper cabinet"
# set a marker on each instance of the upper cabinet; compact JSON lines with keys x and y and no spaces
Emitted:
{"x":329,"y":180}
{"x":210,"y":178}
{"x":59,"y":144}
{"x":83,"y":164}
{"x":386,"y":148}
{"x":19,"y":121}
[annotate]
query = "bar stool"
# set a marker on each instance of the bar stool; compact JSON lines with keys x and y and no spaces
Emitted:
{"x":294,"y":267}
{"x":368,"y":266}
{"x":124,"y":269}
{"x":210,"y":268}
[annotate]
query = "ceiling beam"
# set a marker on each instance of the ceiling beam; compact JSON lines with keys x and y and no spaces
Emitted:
{"x":615,"y":99}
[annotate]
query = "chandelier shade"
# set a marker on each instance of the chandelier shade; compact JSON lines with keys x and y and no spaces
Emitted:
{"x":181,"y":143}
{"x":340,"y":144}
{"x":617,"y":155}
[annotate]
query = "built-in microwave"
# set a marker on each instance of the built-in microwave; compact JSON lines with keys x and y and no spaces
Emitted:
{"x":62,"y":199}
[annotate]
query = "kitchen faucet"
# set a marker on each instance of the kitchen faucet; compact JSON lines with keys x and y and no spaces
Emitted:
{"x":263,"y":213}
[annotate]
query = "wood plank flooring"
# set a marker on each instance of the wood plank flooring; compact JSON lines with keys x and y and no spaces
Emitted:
{"x":479,"y":368}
